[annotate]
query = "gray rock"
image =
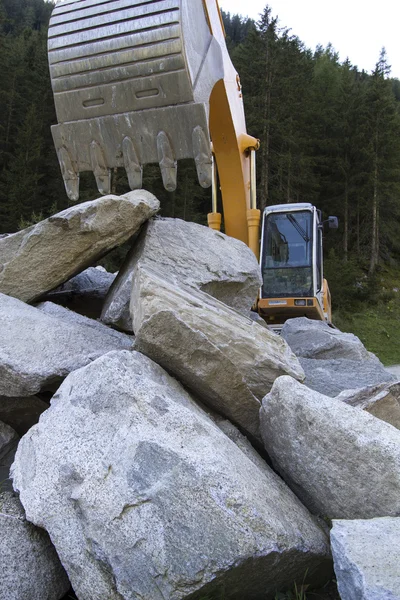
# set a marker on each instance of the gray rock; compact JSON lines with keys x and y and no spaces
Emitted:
{"x":394,"y":370}
{"x":190,"y":254}
{"x":366,"y":558}
{"x":84,"y":293}
{"x":382,"y":401}
{"x":38,"y":350}
{"x":240,"y":440}
{"x":330,"y":377}
{"x":69,"y":316}
{"x":40,"y":258}
{"x":93,"y":282}
{"x":316,"y":339}
{"x":21,"y":413}
{"x":333,"y":361}
{"x":144,"y":497}
{"x":226,"y":358}
{"x":341,"y":461}
{"x":29,"y":566}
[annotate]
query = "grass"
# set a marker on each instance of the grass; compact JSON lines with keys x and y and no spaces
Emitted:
{"x":377,"y":323}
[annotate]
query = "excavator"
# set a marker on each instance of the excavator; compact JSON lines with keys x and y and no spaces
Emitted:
{"x":151,"y":81}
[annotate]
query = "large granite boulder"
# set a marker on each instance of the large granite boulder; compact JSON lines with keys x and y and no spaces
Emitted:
{"x":228,"y":360}
{"x":189,"y":254}
{"x":84,"y":293}
{"x":29,"y":566}
{"x":40,"y":258}
{"x":366,"y":556}
{"x":316,"y":339}
{"x":333,"y":361}
{"x":145,"y":497}
{"x":341,"y":461}
{"x":38,"y":350}
{"x":382,"y":401}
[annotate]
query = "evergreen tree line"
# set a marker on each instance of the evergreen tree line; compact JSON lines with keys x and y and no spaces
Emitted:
{"x":329,"y":135}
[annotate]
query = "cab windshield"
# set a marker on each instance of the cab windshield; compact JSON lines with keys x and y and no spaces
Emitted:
{"x":287,"y":255}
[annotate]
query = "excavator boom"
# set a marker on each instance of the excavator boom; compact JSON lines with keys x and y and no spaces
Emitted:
{"x":138,"y":82}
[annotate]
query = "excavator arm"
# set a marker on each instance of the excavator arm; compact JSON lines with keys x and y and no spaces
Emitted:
{"x":138,"y":82}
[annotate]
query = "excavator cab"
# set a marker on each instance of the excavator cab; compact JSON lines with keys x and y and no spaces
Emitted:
{"x":291,"y":264}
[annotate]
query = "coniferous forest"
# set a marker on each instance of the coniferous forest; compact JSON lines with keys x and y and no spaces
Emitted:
{"x":330,"y":135}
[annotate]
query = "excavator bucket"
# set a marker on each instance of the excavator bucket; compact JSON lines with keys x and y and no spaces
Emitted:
{"x":132,"y":81}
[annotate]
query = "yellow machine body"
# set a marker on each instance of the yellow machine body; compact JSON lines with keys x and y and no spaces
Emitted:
{"x":152,"y":82}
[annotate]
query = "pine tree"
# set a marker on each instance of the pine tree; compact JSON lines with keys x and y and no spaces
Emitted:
{"x":384,"y":156}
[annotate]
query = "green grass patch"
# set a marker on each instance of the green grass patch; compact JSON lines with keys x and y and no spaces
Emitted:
{"x":376,"y":321}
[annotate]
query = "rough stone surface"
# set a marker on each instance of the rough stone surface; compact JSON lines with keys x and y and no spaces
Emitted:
{"x":227,"y":359}
{"x":38,"y":350}
{"x":93,"y":282}
{"x":21,"y":413}
{"x":382,"y":401}
{"x":40,"y":258}
{"x":316,"y":339}
{"x":84,"y":293}
{"x":394,"y":370}
{"x":333,"y":361}
{"x":241,"y":441}
{"x":157,"y":502}
{"x":190,"y":254}
{"x":341,"y":461}
{"x":366,"y":556}
{"x":330,"y":377}
{"x":69,"y":316}
{"x":29,"y":566}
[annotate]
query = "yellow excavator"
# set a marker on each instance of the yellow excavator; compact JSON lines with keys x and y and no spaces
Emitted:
{"x":151,"y":81}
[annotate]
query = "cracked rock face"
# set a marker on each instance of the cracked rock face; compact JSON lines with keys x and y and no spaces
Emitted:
{"x":341,"y":461}
{"x":29,"y":565}
{"x":315,"y":339}
{"x":382,"y":401}
{"x":145,"y":497}
{"x":40,"y":258}
{"x":227,"y":359}
{"x":38,"y":350}
{"x":189,"y":254}
{"x":366,"y":558}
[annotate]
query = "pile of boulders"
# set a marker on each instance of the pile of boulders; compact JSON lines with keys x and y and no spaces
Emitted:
{"x":173,"y":447}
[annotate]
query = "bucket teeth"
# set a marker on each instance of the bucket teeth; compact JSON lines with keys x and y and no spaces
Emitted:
{"x":70,"y":176}
{"x":133,"y":168}
{"x":202,"y":156}
{"x":167,"y":162}
{"x":99,"y":168}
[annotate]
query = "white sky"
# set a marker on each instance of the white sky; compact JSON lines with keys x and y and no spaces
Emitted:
{"x":356,"y":28}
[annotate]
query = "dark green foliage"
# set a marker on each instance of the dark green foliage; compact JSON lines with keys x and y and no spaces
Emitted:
{"x":330,"y":135}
